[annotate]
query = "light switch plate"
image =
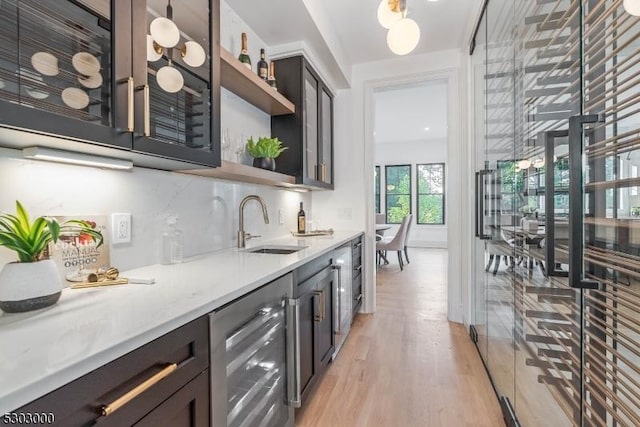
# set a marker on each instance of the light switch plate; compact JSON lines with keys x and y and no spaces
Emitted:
{"x":280,"y":217}
{"x":120,"y":228}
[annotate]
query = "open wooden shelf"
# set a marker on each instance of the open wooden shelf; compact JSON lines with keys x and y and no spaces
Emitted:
{"x":243,"y":173}
{"x":237,"y":78}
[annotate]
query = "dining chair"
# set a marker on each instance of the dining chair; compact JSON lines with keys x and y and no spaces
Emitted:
{"x":381,"y":218}
{"x":406,"y":239}
{"x":396,"y":243}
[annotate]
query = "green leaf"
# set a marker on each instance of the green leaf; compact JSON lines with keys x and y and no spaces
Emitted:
{"x":23,"y":217}
{"x":54,"y":228}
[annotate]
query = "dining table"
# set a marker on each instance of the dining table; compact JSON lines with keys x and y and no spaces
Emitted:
{"x":380,"y":229}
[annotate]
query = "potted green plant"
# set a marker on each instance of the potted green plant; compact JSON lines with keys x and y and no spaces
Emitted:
{"x":265,"y":151}
{"x":33,"y":282}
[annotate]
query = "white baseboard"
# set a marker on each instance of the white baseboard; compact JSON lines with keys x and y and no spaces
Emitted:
{"x":427,"y":244}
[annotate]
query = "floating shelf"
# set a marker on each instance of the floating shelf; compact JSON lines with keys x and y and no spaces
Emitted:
{"x":243,"y":173}
{"x":237,"y":78}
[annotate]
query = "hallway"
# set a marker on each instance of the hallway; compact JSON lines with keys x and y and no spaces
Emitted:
{"x":406,"y":365}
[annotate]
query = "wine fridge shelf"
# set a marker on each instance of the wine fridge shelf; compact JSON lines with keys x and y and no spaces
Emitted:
{"x":237,"y":78}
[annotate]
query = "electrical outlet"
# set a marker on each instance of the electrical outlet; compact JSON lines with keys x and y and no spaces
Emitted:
{"x":280,"y":217}
{"x":120,"y":228}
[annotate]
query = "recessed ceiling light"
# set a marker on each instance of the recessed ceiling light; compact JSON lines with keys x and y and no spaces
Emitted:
{"x":426,"y":129}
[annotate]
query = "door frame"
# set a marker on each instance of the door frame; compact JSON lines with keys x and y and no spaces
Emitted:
{"x":456,"y":177}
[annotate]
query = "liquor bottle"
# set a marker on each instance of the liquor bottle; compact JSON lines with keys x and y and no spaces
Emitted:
{"x":263,"y":67}
{"x":301,"y":221}
{"x":244,"y":53}
{"x":272,"y":76}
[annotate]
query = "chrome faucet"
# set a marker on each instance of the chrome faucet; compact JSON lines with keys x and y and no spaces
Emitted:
{"x":242,"y":236}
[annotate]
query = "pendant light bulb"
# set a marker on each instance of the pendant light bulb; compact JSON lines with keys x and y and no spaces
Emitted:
{"x":169,"y":79}
{"x":152,"y":50}
{"x":403,"y":36}
{"x":524,"y":164}
{"x":538,"y":163}
{"x":632,"y":7}
{"x":387,"y":17}
{"x":165,"y":32}
{"x":193,"y":54}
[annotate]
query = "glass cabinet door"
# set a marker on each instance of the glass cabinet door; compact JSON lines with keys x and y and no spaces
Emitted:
{"x":56,"y":69}
{"x":311,"y":133}
{"x":175,"y":73}
{"x":326,"y":164}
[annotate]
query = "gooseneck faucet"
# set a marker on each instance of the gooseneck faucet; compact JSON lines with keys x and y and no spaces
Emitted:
{"x":242,"y":236}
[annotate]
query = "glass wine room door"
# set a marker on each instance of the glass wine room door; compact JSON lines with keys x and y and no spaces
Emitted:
{"x":558,"y":326}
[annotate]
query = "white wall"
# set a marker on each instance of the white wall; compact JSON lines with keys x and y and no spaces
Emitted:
{"x":355,"y":160}
{"x":412,"y":153}
{"x":208,"y":208}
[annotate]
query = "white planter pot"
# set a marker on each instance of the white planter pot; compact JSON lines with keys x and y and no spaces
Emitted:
{"x":29,"y":286}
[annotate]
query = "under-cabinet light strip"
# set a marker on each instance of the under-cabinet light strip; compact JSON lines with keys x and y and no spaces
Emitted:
{"x":60,"y":156}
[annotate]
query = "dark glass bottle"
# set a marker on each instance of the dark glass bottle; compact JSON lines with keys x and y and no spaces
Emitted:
{"x":244,"y":53}
{"x":302,"y":223}
{"x":263,"y":67}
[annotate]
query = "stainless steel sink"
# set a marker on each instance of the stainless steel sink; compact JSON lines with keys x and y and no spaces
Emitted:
{"x":276,"y":250}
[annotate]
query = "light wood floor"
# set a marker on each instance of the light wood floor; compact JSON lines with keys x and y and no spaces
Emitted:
{"x":406,"y":365}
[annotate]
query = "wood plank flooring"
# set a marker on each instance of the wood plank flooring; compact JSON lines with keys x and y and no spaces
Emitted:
{"x":406,"y":365}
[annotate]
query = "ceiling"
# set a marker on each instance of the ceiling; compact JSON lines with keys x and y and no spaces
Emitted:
{"x":444,"y":24}
{"x":409,"y":113}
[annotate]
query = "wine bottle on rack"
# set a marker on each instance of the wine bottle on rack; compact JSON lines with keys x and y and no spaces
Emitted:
{"x":302,"y":223}
{"x":263,"y":67}
{"x":244,"y":53}
{"x":272,"y":76}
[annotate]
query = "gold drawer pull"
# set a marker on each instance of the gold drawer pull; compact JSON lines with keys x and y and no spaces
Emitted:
{"x":139,"y":389}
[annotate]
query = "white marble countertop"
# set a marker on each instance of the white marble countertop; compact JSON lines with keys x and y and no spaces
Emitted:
{"x":45,"y":349}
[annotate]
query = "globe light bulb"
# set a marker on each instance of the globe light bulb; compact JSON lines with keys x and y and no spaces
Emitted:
{"x":538,"y":163}
{"x":169,"y":79}
{"x":165,"y":32}
{"x":403,"y":36}
{"x":524,"y":164}
{"x":193,"y":54}
{"x":152,"y":50}
{"x":632,"y":7}
{"x":387,"y":17}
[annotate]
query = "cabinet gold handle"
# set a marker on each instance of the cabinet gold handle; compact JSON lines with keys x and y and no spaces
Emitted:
{"x":319,"y":317}
{"x":136,"y":391}
{"x":147,"y":111}
{"x":130,"y":106}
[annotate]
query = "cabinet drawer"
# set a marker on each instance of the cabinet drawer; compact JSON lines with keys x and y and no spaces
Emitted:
{"x":310,"y":269}
{"x":357,"y":265}
{"x":84,"y":400}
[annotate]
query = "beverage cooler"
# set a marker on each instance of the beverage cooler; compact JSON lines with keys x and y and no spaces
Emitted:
{"x":556,"y":258}
{"x":249,"y":363}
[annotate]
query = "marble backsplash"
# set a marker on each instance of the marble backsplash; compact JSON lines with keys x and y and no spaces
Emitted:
{"x":207,"y":208}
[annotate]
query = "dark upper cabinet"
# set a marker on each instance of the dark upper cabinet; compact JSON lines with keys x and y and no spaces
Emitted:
{"x":80,"y":70}
{"x":309,"y":132}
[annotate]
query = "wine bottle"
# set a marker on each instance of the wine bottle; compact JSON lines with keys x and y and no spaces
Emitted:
{"x":272,"y":76}
{"x":244,"y":53}
{"x":263,"y":67}
{"x":302,"y":223}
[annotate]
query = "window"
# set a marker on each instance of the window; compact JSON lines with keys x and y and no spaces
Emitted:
{"x":377,"y":178}
{"x":398,"y":192}
{"x":430,"y":198}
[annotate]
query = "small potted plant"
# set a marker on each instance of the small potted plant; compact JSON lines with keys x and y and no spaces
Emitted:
{"x":265,"y":151}
{"x":33,"y":282}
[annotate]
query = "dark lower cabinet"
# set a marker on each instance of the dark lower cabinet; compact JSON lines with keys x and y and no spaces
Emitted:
{"x":174,"y":369}
{"x":315,"y":333}
{"x":188,"y":407}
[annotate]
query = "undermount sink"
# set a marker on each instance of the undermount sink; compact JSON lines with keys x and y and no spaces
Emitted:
{"x":276,"y":250}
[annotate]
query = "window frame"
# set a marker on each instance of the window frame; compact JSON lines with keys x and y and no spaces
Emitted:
{"x":444,"y":191}
{"x":386,"y":194}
